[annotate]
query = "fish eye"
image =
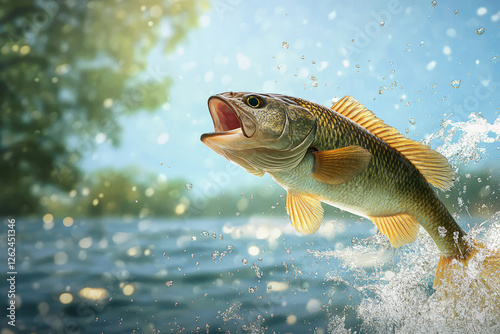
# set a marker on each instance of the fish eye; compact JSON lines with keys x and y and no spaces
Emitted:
{"x":254,"y":102}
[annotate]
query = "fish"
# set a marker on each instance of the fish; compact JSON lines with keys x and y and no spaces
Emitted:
{"x":346,"y":157}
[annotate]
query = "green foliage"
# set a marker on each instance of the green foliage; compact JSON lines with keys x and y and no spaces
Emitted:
{"x":119,"y":193}
{"x":68,"y":70}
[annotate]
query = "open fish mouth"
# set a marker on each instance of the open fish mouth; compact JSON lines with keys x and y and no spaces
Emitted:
{"x":230,"y":121}
{"x":224,"y":115}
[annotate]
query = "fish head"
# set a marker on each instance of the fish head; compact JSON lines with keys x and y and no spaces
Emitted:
{"x":260,"y":132}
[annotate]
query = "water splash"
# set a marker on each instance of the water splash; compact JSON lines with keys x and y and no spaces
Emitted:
{"x":401,"y":300}
{"x":470,"y":135}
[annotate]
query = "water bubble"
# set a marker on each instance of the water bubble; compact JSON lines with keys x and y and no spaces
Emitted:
{"x":285,"y":45}
{"x":434,"y":3}
{"x":230,"y":248}
{"x":467,"y":175}
{"x":237,"y":214}
{"x":455,"y":83}
{"x":205,"y":233}
{"x":479,"y":180}
{"x":494,"y":59}
{"x":303,"y":57}
{"x":456,"y":11}
{"x":215,"y":255}
{"x":382,"y":23}
{"x":189,"y":186}
{"x":412,"y":121}
{"x":442,"y":231}
{"x":214,"y":235}
{"x":169,"y":283}
{"x":381,"y":90}
{"x":244,"y":261}
{"x":251,"y":197}
{"x":314,"y":81}
{"x":480,"y":31}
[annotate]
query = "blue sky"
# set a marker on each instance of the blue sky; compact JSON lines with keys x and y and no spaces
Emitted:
{"x":396,"y":57}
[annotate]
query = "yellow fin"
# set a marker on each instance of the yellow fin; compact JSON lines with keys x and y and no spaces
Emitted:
{"x":305,"y":212}
{"x":401,"y":229}
{"x":433,"y":166}
{"x":340,"y":165}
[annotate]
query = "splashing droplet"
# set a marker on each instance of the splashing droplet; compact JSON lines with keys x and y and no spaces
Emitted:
{"x":314,"y":81}
{"x":480,"y":31}
{"x":412,"y":121}
{"x":455,"y":83}
{"x":189,"y":186}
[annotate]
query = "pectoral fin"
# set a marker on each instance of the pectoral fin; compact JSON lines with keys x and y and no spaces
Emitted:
{"x":305,"y":212}
{"x":401,"y":229}
{"x":340,"y":165}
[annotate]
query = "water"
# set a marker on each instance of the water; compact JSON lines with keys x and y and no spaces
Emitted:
{"x":162,"y":275}
{"x":253,"y":275}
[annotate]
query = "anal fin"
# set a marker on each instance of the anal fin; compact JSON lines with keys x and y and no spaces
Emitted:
{"x":401,"y":229}
{"x":305,"y":212}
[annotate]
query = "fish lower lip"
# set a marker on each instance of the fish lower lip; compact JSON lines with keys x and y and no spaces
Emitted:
{"x":220,"y":133}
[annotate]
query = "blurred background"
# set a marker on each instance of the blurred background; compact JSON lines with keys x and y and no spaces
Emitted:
{"x":126,"y":222}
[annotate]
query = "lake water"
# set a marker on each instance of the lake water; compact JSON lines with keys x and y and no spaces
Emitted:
{"x":241,"y":275}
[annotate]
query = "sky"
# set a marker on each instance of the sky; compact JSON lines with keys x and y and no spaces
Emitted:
{"x":411,"y":64}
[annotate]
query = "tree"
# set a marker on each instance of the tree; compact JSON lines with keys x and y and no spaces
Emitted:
{"x":68,"y":70}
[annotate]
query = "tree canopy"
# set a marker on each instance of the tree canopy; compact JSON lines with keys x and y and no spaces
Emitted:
{"x":68,"y":70}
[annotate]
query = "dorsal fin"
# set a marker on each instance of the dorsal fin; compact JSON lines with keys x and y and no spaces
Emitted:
{"x":433,"y":166}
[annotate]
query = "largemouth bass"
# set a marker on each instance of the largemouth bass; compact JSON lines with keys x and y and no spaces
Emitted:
{"x":348,"y":158}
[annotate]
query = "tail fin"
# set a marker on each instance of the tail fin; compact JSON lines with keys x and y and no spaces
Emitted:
{"x":476,"y":276}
